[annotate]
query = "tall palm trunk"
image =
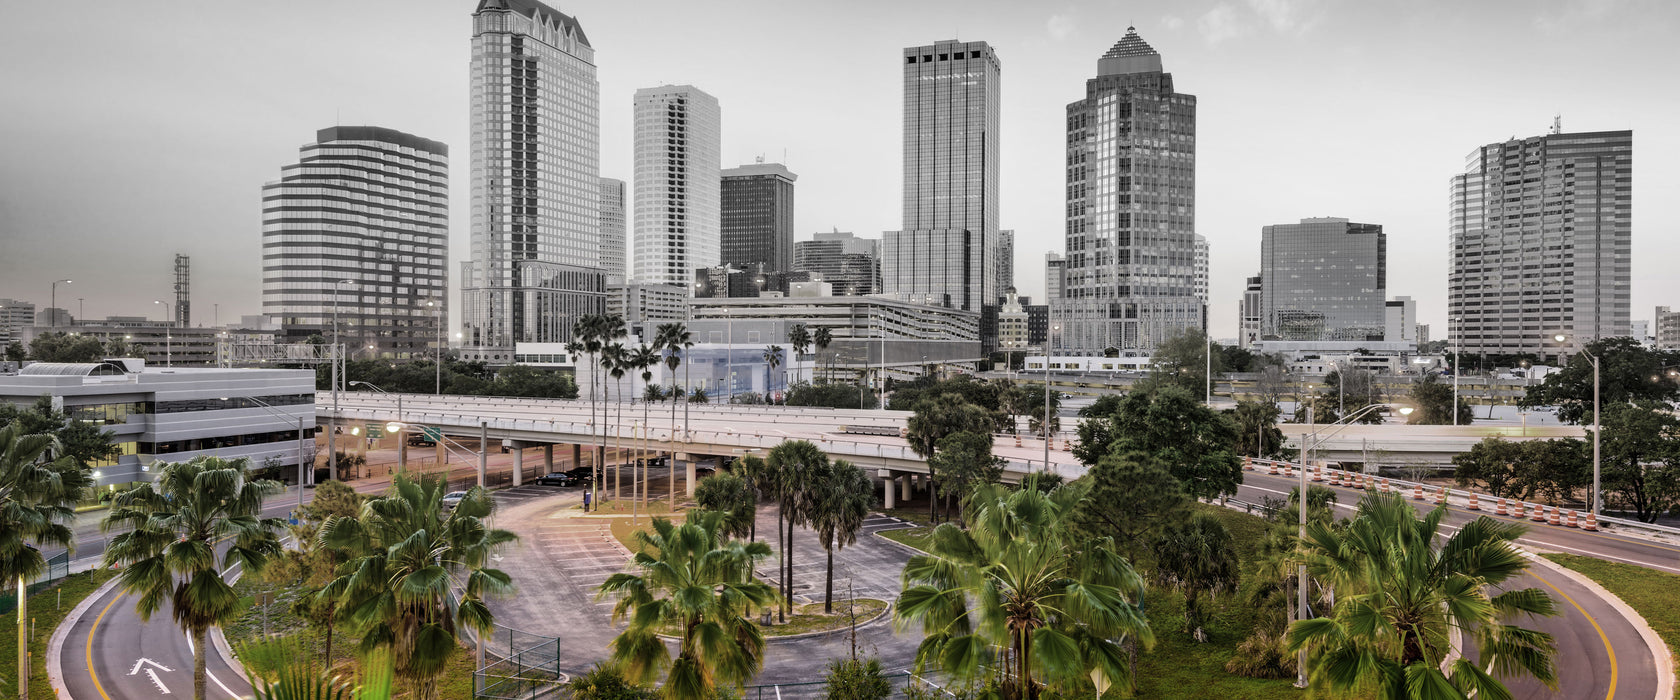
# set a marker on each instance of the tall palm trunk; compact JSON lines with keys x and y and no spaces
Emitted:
{"x":787,"y":602}
{"x":200,"y":674}
{"x":828,"y":592}
{"x":618,"y":442}
{"x":672,"y":481}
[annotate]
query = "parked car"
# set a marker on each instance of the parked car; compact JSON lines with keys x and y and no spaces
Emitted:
{"x":556,"y":479}
{"x":453,"y":498}
{"x":580,"y":473}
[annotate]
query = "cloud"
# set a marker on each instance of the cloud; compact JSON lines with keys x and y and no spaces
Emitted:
{"x":1172,"y":22}
{"x":1060,"y":26}
{"x":1288,"y":16}
{"x":1220,"y":23}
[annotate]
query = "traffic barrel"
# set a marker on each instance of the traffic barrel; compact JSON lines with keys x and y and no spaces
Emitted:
{"x":1552,"y":518}
{"x":1441,"y":496}
{"x":1272,"y":468}
{"x":1017,"y":439}
{"x":1592,"y":523}
{"x":1417,"y":493}
{"x":1572,"y":522}
{"x":1501,"y":509}
{"x":1473,"y":505}
{"x":1335,"y":477}
{"x":1248,"y":464}
{"x":1382,"y":485}
{"x":1539,"y":514}
{"x":1318,"y":473}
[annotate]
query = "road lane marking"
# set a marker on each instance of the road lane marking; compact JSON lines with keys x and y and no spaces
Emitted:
{"x":95,"y":628}
{"x":1614,"y":671}
{"x":142,"y":662}
{"x":190,"y":648}
{"x":161,"y":687}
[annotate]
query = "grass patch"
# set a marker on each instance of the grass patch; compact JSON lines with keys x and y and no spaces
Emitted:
{"x":456,"y":681}
{"x":809,"y":618}
{"x":918,"y":537}
{"x":48,"y":610}
{"x":1650,"y":593}
{"x":623,"y":507}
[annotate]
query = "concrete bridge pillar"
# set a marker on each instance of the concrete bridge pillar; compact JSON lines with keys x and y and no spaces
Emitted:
{"x":904,"y":487}
{"x":688,"y":475}
{"x":577,"y":456}
{"x":887,"y":487}
{"x":548,"y":458}
{"x":518,"y":463}
{"x":402,"y":450}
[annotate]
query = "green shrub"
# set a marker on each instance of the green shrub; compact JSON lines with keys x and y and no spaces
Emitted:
{"x":849,"y":679}
{"x":1262,"y":655}
{"x":606,"y":683}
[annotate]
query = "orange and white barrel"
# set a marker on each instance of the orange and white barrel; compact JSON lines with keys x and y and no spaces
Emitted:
{"x":1417,"y":493}
{"x":1592,"y":523}
{"x":1501,"y":509}
{"x":1571,"y":521}
{"x":1473,"y":505}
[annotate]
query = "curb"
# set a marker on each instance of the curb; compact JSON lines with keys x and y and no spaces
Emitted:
{"x":912,"y":550}
{"x":1659,"y":649}
{"x":55,"y":644}
{"x":806,"y":635}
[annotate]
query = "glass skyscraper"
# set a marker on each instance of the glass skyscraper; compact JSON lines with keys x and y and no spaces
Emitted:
{"x":851,"y":264}
{"x":679,"y":144}
{"x":369,"y":206}
{"x":536,"y":249}
{"x":613,"y":232}
{"x":947,"y":251}
{"x":1323,"y":279}
{"x":1542,"y":244}
{"x":1130,"y":279}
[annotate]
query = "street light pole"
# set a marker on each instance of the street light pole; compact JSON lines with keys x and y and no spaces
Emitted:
{"x":437,"y":355}
{"x":168,"y":333}
{"x":337,"y":356}
{"x":301,"y":449}
{"x":54,"y":309}
{"x":1597,"y":494}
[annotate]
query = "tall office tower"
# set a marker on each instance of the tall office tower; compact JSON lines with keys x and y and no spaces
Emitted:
{"x":678,"y":176}
{"x":1323,"y":279}
{"x":1202,"y":268}
{"x":1131,"y":206}
{"x":360,"y":226}
{"x":14,"y":317}
{"x":1006,"y":260}
{"x":1400,"y":321}
{"x":1542,"y":241}
{"x":1055,"y":278}
{"x":756,"y":220}
{"x":613,"y":261}
{"x":851,"y":264}
{"x":947,"y":250}
{"x":1249,"y":313}
{"x":536,"y":180}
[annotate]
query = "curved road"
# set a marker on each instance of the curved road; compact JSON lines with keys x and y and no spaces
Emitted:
{"x":110,"y":654}
{"x":1600,"y":653}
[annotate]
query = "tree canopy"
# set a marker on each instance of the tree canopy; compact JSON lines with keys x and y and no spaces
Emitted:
{"x":1629,"y":372}
{"x":58,"y":346}
{"x":1196,"y":443}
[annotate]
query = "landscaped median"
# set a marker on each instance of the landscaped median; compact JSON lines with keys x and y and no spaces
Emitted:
{"x":1650,"y":593}
{"x":47,"y":608}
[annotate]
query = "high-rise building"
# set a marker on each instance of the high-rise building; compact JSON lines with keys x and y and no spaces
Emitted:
{"x":1324,"y":279}
{"x":1542,"y":244}
{"x":1055,"y":277}
{"x":1250,"y":313}
{"x":1668,"y":329}
{"x":613,"y":232}
{"x":1131,"y":207}
{"x":1006,"y":259}
{"x":1012,"y":323}
{"x":1422,"y":335}
{"x":1202,"y":268}
{"x":947,"y":251}
{"x":14,"y":317}
{"x":535,"y":183}
{"x":1038,"y":324}
{"x":756,"y":205}
{"x":360,"y":226}
{"x":1400,"y":320}
{"x":851,"y":264}
{"x":678,"y":155}
{"x":1640,"y":330}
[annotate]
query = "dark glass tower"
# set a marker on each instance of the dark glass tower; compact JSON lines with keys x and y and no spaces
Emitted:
{"x":756,"y":205}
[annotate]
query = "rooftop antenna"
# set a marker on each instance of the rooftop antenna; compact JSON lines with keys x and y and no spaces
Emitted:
{"x":1557,"y":124}
{"x":759,"y":159}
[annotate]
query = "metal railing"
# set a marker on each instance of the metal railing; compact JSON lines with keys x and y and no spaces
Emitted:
{"x":58,"y":566}
{"x":816,"y":690}
{"x":518,"y":665}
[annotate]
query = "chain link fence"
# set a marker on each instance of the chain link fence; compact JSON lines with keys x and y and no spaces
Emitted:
{"x":902,"y":682}
{"x":518,"y":665}
{"x":58,"y":566}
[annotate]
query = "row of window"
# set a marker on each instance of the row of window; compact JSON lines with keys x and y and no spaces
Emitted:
{"x":222,"y":442}
{"x":117,"y":413}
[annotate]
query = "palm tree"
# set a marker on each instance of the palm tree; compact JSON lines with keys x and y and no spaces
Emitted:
{"x":1196,"y":557}
{"x":799,"y":337}
{"x":612,"y":333}
{"x":936,"y":417}
{"x":772,"y":360}
{"x":615,"y":360}
{"x":699,"y":586}
{"x":698,"y":396}
{"x":734,"y":497}
{"x":822,"y":338}
{"x":37,"y":501}
{"x":758,"y":475}
{"x":1061,"y":605}
{"x":406,"y":555}
{"x":168,"y":555}
{"x":795,"y":467}
{"x":840,"y":502}
{"x":673,"y":339}
{"x":586,"y":338}
{"x":1400,"y":597}
{"x":644,"y":358}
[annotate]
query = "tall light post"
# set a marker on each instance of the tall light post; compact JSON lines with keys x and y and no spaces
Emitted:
{"x":337,"y":356}
{"x":168,"y":332}
{"x":402,"y":439}
{"x":437,"y":356}
{"x":1597,"y":494}
{"x":1309,"y":445}
{"x":55,"y":301}
{"x":1044,"y":420}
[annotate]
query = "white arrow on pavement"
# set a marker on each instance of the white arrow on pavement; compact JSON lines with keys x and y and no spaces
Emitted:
{"x":143,"y":661}
{"x":161,"y":687}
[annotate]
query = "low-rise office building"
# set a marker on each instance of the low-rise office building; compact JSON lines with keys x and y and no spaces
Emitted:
{"x":173,"y":414}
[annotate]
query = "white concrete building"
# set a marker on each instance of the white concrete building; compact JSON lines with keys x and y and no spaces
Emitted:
{"x":677,"y":210}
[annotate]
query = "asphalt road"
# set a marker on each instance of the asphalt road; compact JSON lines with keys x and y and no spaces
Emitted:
{"x":1600,"y":653}
{"x":110,"y":654}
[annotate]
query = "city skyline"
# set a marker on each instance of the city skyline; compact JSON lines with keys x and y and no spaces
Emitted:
{"x":177,"y":165}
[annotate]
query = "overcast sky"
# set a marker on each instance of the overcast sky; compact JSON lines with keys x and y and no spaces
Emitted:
{"x":133,"y":130}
